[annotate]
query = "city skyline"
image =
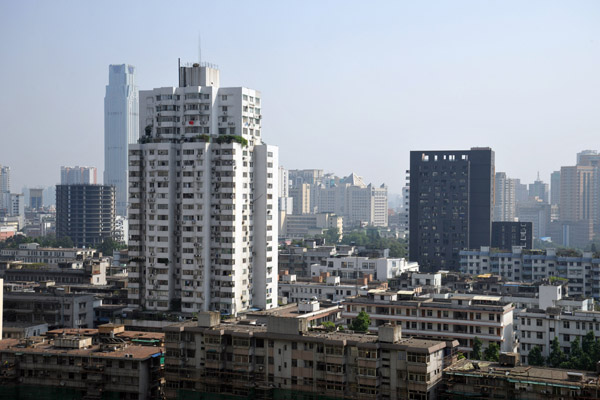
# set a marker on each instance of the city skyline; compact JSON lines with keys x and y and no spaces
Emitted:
{"x":437,"y":78}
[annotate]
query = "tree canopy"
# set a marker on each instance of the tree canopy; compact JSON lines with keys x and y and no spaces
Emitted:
{"x":371,"y":239}
{"x":535,"y":356}
{"x":492,"y":353}
{"x":44,"y":241}
{"x":361,"y":322}
{"x":476,"y":354}
{"x":109,"y":245}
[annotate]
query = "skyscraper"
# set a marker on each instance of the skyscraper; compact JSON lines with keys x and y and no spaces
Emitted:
{"x":203,"y":190}
{"x":120,"y":129}
{"x":451,"y":205}
{"x":36,"y":197}
{"x":4,"y":188}
{"x":505,"y":198}
{"x":579,"y":193}
{"x":555,"y":188}
{"x":538,"y":189}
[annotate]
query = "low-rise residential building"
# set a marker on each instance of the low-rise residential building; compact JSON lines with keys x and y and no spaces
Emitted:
{"x":21,"y":330}
{"x":294,"y":291}
{"x":380,"y":269}
{"x":506,"y":380}
{"x":285,"y":357}
{"x":315,"y":313}
{"x":539,"y":328}
{"x":33,"y":253}
{"x":54,"y":307}
{"x":455,"y":317}
{"x":90,"y":271}
{"x":298,"y":259}
{"x":73,"y":366}
{"x":581,"y":271}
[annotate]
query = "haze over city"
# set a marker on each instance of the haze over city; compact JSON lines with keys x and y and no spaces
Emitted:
{"x":346,"y":86}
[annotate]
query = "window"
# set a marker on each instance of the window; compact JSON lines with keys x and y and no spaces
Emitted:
{"x":420,"y":358}
{"x":418,"y":377}
{"x":334,"y":350}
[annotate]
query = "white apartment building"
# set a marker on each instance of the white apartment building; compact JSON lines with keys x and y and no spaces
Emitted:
{"x":381,"y":269}
{"x":203,"y":199}
{"x":540,"y":327}
{"x":505,"y":204}
{"x":583,"y":273}
{"x":455,"y":317}
{"x":332,"y":289}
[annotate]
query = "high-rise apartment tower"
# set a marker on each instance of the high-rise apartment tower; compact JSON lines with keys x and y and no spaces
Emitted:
{"x":120,"y":129}
{"x":78,"y":175}
{"x":203,"y":199}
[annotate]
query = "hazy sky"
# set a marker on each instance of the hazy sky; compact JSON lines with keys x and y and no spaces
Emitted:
{"x":346,"y":86}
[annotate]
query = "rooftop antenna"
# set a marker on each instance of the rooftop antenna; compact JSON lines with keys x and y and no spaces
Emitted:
{"x":199,"y":48}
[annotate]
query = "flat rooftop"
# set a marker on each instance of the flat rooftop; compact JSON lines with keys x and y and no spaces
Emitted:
{"x":243,"y":326}
{"x":527,"y":373}
{"x":47,"y":347}
{"x":128,"y":335}
{"x":291,"y":310}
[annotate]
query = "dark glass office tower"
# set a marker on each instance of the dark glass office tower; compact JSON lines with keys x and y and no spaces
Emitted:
{"x":451,"y":205}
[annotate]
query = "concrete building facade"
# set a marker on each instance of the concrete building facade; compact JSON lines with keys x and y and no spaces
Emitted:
{"x":582,"y":272}
{"x":286,"y":358}
{"x":456,"y":317}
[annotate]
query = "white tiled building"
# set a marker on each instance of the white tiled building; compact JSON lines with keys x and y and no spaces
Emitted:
{"x":381,"y":269}
{"x":203,"y":199}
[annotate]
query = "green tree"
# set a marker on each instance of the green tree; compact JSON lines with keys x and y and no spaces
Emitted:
{"x":361,"y":322}
{"x":557,"y":356}
{"x":109,"y":245}
{"x":535,"y":356}
{"x":476,"y":354}
{"x":332,"y":235}
{"x":330,"y":326}
{"x":492,"y":353}
{"x":590,"y":351}
{"x":577,"y":358}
